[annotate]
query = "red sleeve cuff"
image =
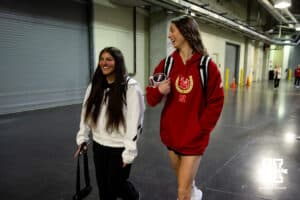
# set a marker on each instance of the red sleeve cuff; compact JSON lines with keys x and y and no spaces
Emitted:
{"x":153,"y":95}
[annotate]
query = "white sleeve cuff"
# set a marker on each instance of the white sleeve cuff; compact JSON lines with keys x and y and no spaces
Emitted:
{"x":128,"y":156}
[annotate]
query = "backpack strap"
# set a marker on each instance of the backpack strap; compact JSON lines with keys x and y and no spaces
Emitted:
{"x":203,"y":69}
{"x":125,"y":85}
{"x":168,"y":65}
{"x":127,"y":79}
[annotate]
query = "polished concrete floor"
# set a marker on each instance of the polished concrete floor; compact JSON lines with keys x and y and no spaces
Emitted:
{"x":253,"y":152}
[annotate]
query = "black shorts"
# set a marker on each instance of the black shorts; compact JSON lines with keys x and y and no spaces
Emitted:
{"x":182,"y":154}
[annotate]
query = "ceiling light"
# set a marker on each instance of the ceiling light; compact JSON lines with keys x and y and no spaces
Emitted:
{"x":170,"y":12}
{"x":282,"y":4}
{"x":297,"y":27}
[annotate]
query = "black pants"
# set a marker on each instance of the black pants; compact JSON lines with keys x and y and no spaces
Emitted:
{"x":276,"y":82}
{"x":111,"y":176}
{"x":297,"y":81}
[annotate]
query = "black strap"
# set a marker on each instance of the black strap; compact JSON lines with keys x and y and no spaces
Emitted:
{"x":81,"y":193}
{"x":168,"y":65}
{"x":203,"y":69}
{"x":127,"y":79}
{"x":78,"y":176}
{"x":86,"y":169}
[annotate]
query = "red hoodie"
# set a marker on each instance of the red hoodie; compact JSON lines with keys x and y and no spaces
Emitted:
{"x":186,"y":122}
{"x":297,"y":72}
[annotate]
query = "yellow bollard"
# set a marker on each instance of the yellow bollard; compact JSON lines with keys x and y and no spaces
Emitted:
{"x":226,"y":78}
{"x":241,"y":84}
{"x":290,"y":74}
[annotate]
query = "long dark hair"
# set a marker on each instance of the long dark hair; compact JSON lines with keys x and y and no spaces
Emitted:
{"x":189,"y":29}
{"x":116,"y":93}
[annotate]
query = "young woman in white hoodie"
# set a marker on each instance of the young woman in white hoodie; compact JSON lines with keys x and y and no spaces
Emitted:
{"x":113,"y":111}
{"x":277,"y":76}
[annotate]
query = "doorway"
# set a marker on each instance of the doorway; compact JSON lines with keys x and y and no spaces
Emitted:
{"x":232,"y":57}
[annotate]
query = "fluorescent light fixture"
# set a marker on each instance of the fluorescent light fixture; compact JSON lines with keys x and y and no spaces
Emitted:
{"x":297,"y":27}
{"x":241,"y":27}
{"x":281,"y":4}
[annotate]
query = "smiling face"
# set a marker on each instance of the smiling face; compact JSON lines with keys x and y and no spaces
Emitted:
{"x":107,"y":66}
{"x":176,"y":37}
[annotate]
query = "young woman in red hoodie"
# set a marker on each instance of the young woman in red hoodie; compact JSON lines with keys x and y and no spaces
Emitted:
{"x":297,"y":76}
{"x":189,"y":114}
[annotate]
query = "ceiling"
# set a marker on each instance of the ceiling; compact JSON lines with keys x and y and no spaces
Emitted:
{"x":252,"y":18}
{"x":295,"y":8}
{"x":284,"y":30}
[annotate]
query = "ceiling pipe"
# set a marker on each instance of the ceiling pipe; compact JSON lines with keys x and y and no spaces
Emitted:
{"x":215,"y":18}
{"x":268,"y":5}
{"x":287,"y":12}
{"x":275,"y":13}
{"x":291,"y":16}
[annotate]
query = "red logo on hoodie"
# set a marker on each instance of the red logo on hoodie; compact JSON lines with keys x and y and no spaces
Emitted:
{"x":183,"y":84}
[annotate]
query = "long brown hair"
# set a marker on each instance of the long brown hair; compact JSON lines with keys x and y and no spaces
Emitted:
{"x":189,"y":29}
{"x":115,"y":93}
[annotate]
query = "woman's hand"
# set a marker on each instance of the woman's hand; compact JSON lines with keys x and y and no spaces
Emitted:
{"x":164,"y":87}
{"x":82,"y":147}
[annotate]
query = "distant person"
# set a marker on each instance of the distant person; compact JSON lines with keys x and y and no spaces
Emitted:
{"x":191,"y":110}
{"x":297,"y":76}
{"x":277,"y":76}
{"x":113,"y":109}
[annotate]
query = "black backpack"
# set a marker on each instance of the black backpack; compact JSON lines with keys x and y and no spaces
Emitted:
{"x":203,"y":70}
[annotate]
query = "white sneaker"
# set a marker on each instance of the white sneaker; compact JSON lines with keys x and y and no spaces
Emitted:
{"x":196,"y":193}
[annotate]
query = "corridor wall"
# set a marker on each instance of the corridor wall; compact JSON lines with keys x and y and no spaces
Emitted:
{"x":43,"y":53}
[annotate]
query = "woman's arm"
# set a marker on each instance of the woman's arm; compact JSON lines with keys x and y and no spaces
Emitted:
{"x":134,"y":121}
{"x":153,"y":95}
{"x":84,"y":129}
{"x":214,"y":99}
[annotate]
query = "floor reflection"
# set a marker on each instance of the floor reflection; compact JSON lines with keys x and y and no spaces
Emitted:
{"x":257,"y":134}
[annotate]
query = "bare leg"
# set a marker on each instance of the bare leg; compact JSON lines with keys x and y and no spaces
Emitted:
{"x":186,"y":174}
{"x":186,"y":168}
{"x":175,"y":161}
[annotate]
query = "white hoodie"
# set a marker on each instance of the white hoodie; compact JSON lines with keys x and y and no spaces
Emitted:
{"x":133,"y":114}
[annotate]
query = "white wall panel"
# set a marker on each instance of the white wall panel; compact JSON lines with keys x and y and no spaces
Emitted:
{"x":113,"y":26}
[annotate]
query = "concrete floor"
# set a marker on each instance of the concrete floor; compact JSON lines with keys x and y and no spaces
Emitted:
{"x":253,"y":152}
